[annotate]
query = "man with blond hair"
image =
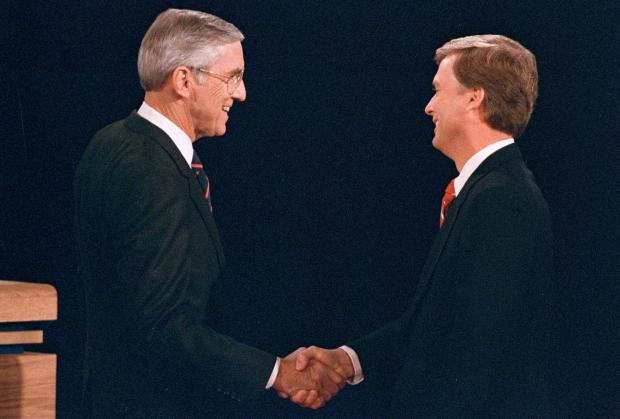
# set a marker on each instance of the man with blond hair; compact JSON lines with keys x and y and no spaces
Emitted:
{"x":474,"y":340}
{"x":149,"y":248}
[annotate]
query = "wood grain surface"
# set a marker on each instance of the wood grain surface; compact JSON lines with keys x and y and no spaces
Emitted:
{"x":23,"y":302}
{"x":28,"y":386}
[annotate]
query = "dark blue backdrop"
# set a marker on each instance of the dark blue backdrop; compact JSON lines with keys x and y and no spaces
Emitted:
{"x":326,"y":187}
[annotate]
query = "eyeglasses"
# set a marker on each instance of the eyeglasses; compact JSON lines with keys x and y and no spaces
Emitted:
{"x":232,"y":82}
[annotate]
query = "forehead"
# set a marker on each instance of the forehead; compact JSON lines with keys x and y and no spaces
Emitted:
{"x":230,"y":59}
{"x":444,"y":73}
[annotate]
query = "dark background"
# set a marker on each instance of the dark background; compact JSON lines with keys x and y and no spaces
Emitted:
{"x":326,"y":188}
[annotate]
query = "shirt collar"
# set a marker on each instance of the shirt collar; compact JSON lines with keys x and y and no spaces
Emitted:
{"x":176,"y":134}
{"x":475,"y":161}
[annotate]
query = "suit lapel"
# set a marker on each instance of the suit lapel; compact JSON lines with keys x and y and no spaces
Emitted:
{"x":138,"y":124}
{"x":201,"y":204}
{"x":495,"y":160}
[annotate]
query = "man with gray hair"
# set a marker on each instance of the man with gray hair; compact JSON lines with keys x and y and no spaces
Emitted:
{"x":149,"y":249}
{"x":474,"y":340}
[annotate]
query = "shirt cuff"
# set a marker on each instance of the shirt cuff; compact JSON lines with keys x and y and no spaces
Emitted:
{"x":274,"y":374}
{"x":358,"y":375}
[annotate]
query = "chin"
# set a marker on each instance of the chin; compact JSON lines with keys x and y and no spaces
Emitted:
{"x":213,"y":132}
{"x":218,"y":129}
{"x":439,"y":145}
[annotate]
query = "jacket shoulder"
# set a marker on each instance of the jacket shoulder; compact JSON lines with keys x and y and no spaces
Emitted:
{"x":510,"y":186}
{"x":116,"y":145}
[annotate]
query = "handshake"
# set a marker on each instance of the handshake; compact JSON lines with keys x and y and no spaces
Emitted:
{"x":310,"y":377}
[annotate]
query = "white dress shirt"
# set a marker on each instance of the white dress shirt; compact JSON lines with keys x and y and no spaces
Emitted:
{"x":468,"y":168}
{"x":475,"y":161}
{"x":184,"y":144}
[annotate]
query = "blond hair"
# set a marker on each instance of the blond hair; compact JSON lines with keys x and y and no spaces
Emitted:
{"x":507,"y":72}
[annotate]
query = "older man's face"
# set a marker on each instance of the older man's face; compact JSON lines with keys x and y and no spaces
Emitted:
{"x":211,"y":100}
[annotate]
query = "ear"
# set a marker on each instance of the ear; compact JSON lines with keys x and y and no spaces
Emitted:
{"x":475,"y":98}
{"x":182,"y":80}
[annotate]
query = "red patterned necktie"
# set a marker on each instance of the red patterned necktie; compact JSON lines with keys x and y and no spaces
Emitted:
{"x":447,"y":199}
{"x":203,"y":180}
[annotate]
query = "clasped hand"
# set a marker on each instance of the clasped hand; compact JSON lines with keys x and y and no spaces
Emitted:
{"x":311,"y":377}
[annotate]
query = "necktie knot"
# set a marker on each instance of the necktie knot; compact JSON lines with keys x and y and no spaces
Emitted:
{"x":447,"y":199}
{"x":202,"y":178}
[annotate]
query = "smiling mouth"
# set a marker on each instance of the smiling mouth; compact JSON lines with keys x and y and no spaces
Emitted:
{"x":226,"y":108}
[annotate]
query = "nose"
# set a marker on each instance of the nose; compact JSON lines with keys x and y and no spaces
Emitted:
{"x":240,"y":93}
{"x":429,"y":107}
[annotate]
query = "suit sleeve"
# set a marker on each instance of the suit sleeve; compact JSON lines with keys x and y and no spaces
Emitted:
{"x":147,"y":207}
{"x":382,"y":351}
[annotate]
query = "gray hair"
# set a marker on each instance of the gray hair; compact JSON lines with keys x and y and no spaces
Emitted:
{"x":182,"y":38}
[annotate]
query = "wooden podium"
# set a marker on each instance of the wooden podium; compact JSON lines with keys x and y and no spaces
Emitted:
{"x":27,"y":379}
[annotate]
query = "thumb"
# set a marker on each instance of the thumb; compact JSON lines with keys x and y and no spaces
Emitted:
{"x":302,"y":361}
{"x":296,"y":352}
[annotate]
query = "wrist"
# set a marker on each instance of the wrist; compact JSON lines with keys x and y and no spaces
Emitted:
{"x":274,"y":373}
{"x":283,"y":369}
{"x":346,"y":365}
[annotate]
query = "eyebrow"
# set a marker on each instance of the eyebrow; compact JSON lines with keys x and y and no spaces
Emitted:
{"x":235,"y":71}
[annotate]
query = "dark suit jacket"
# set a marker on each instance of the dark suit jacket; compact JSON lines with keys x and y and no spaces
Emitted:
{"x":149,"y":252}
{"x":474,"y":341}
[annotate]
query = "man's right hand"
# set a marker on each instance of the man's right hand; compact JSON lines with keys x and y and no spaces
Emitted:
{"x":312,"y":386}
{"x":336,"y":359}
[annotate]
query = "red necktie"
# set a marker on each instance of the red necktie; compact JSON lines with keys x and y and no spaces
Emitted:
{"x":447,"y":199}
